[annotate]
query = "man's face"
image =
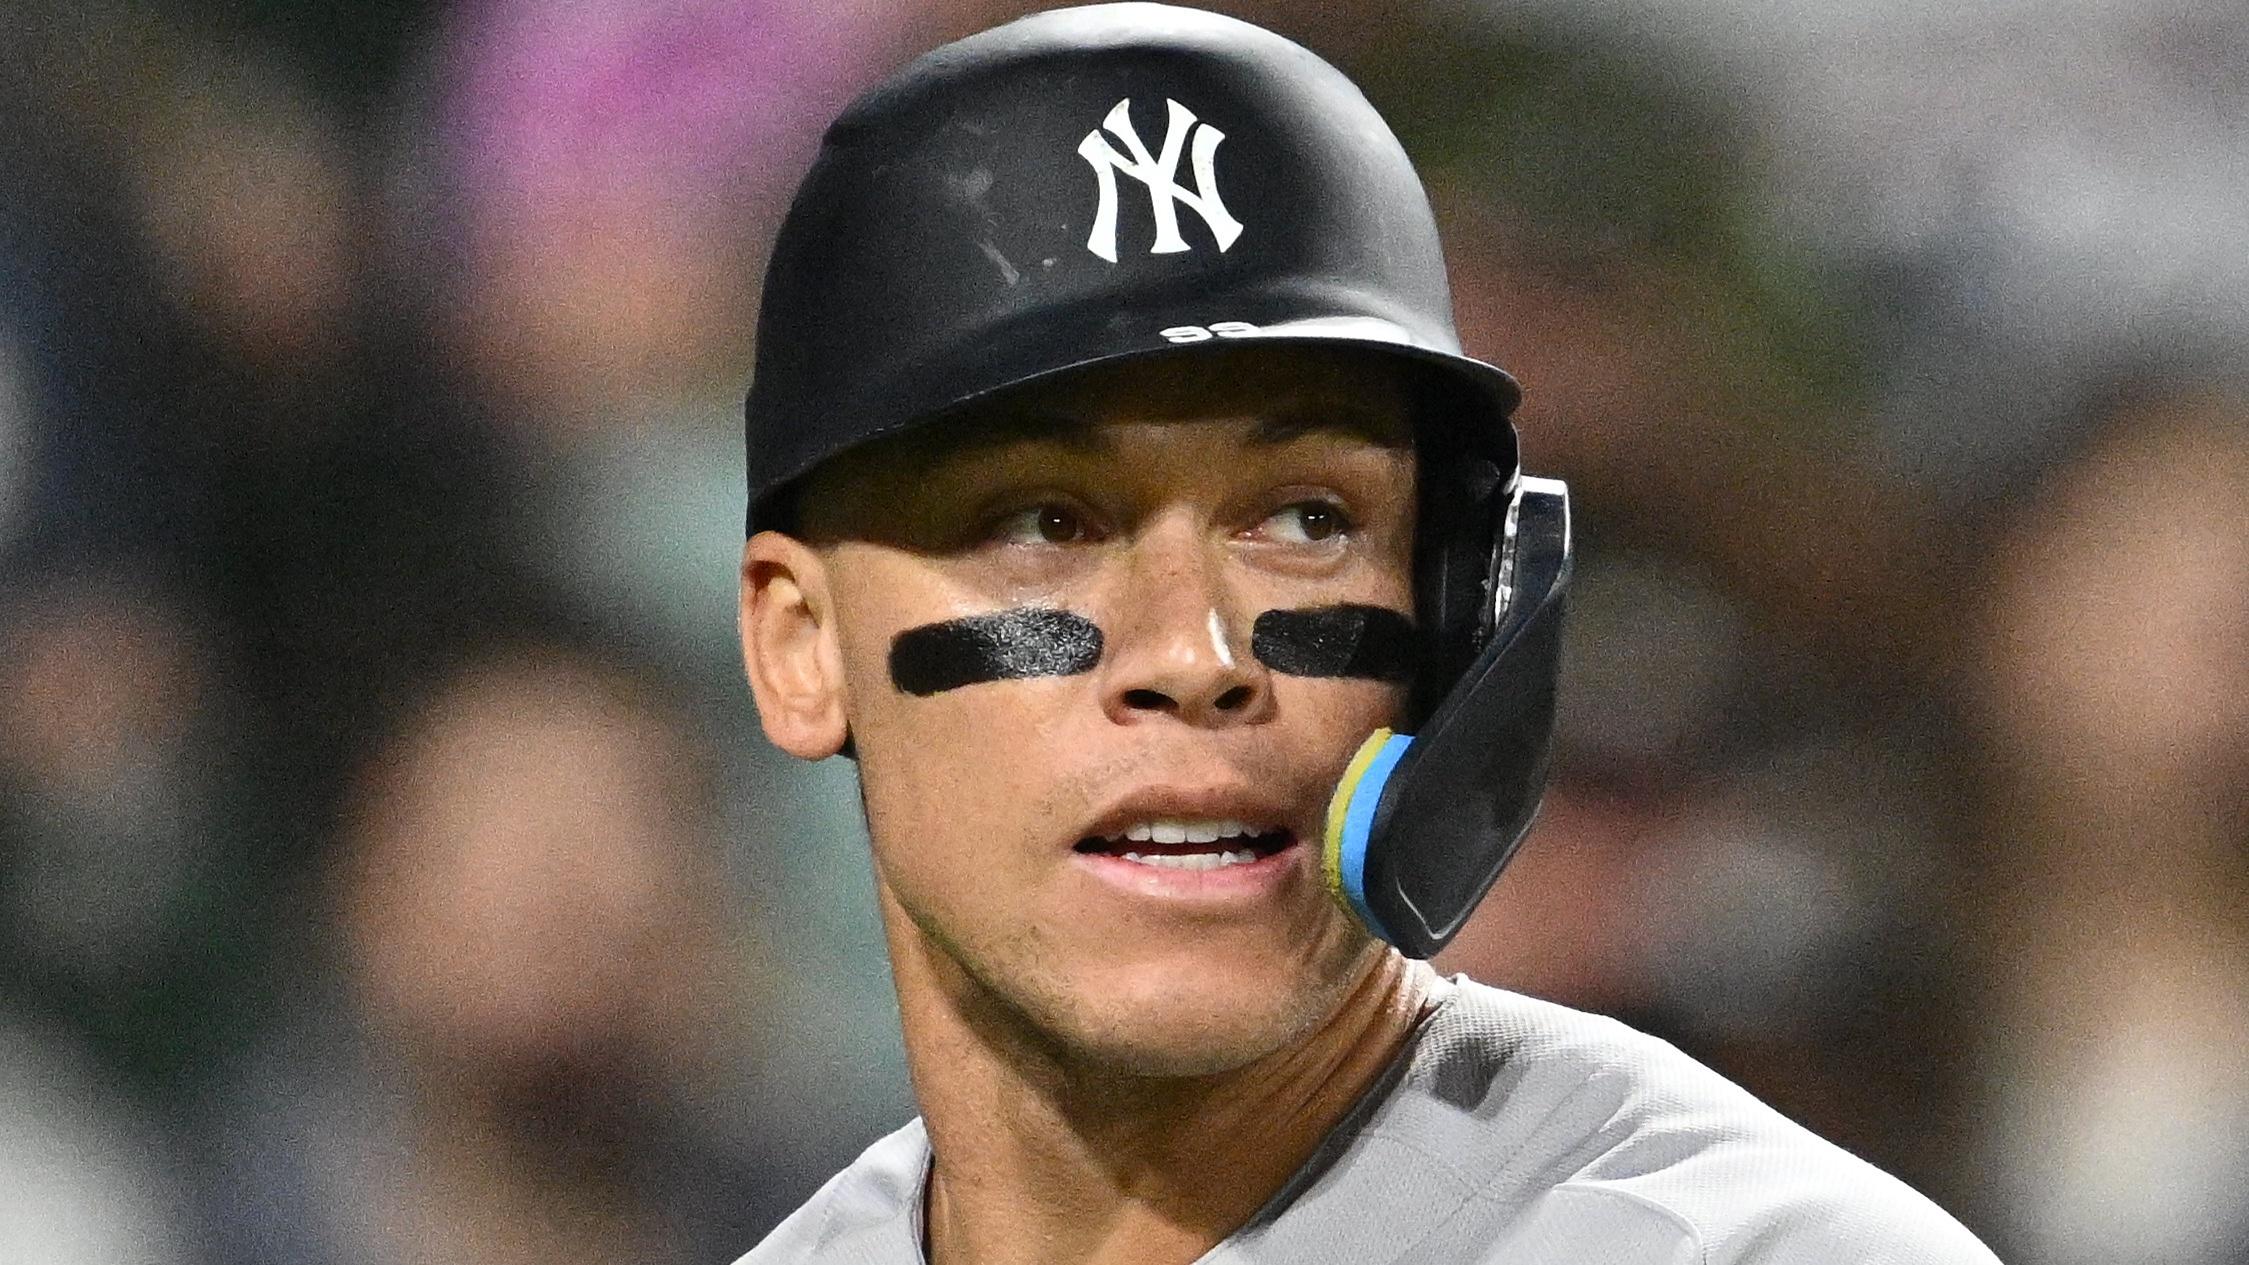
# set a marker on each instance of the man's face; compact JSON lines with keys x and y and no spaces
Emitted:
{"x":1169,"y":507}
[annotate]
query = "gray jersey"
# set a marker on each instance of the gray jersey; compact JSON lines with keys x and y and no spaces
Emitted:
{"x":1510,"y":1131}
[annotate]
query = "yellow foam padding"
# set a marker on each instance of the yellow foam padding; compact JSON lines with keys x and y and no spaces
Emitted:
{"x":1339,"y":805}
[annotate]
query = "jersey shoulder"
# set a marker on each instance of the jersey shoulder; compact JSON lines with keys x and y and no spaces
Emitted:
{"x":1594,"y":1141}
{"x":868,"y":1214}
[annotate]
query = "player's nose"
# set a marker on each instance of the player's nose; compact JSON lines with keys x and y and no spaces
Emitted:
{"x":1177,"y":646}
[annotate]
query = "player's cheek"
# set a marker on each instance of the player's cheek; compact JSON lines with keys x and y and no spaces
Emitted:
{"x":949,"y":780}
{"x":1335,"y":716}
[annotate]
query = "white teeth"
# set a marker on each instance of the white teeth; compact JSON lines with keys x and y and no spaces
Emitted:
{"x":1192,"y":860}
{"x":1182,"y":831}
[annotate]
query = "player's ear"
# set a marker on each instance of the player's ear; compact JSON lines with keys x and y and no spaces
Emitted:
{"x":789,"y":646}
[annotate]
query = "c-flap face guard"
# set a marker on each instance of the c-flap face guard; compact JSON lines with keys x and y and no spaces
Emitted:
{"x":1450,"y":804}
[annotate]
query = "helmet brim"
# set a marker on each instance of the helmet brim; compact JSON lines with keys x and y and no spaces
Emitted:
{"x":1484,"y":396}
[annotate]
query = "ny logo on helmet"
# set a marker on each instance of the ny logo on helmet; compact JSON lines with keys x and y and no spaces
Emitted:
{"x":1156,"y":171}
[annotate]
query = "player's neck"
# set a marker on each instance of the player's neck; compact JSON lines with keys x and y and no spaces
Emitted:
{"x":1041,"y":1160}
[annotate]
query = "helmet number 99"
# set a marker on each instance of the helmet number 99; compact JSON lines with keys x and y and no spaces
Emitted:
{"x":1203,"y":333}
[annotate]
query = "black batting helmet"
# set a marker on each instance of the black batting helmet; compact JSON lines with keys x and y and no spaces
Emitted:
{"x":1080,"y":186}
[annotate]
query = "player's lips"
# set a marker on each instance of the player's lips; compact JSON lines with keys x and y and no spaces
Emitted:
{"x":1187,"y":842}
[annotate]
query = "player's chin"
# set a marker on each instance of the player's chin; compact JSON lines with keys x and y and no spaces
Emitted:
{"x":1203,"y":1018}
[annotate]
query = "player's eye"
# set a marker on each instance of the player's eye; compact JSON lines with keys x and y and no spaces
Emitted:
{"x":1305,"y":523}
{"x":1051,"y":523}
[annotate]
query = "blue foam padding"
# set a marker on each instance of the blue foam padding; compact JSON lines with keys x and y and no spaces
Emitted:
{"x":1358,"y":823}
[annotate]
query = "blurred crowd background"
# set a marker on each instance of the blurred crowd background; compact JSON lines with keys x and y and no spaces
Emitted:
{"x":391,"y":867}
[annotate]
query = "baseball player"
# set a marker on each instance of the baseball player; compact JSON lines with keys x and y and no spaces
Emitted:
{"x":1120,"y":499}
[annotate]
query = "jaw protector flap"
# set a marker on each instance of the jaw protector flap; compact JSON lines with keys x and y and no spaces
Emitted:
{"x":1420,"y":826}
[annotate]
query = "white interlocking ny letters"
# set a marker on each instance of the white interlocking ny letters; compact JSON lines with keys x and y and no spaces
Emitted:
{"x":1156,"y":172}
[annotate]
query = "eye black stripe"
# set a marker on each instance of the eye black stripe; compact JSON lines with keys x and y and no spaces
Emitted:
{"x":1372,"y":642}
{"x":1006,"y":645}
